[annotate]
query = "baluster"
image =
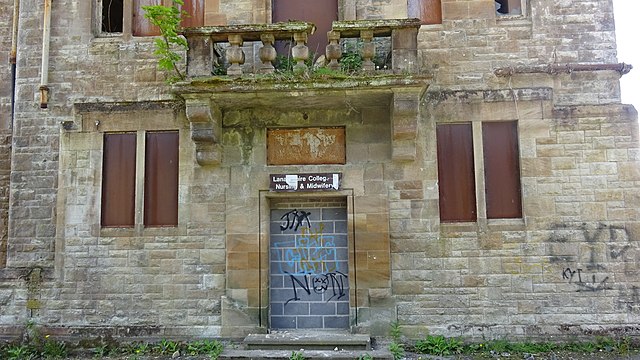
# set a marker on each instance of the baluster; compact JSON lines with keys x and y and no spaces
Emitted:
{"x":267,"y":54}
{"x":368,"y":50}
{"x":300,"y":53}
{"x":334,"y":50}
{"x":235,"y":55}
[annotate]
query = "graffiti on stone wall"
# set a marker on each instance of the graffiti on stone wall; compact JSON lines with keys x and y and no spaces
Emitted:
{"x":629,"y":299}
{"x":575,"y":277}
{"x":334,"y":284}
{"x":586,"y":266}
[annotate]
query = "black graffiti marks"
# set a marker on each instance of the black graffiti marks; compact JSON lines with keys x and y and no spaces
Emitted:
{"x":568,"y":274}
{"x":575,"y":277}
{"x":629,"y":299}
{"x":334,"y":284}
{"x":616,"y":239}
{"x":294,"y":219}
{"x":602,"y":257}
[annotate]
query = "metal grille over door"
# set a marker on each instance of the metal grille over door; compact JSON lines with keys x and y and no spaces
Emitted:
{"x":309,"y":283}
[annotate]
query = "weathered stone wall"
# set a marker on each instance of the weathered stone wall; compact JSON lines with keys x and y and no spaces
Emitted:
{"x":5,"y":121}
{"x":6,"y":23}
{"x":138,"y":277}
{"x":567,"y":268}
{"x":575,"y":250}
{"x":5,"y":174}
{"x":82,"y":68}
{"x":473,"y":41}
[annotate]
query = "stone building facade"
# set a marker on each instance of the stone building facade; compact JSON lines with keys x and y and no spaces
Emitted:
{"x":484,"y":183}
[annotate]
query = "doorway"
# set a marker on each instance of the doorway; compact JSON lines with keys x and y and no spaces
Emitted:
{"x":309,"y":265}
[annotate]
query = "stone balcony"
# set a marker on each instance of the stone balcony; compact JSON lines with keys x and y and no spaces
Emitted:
{"x":202,"y":59}
{"x":255,"y":82}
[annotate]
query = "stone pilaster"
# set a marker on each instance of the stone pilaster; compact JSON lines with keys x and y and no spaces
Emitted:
{"x":404,"y":122}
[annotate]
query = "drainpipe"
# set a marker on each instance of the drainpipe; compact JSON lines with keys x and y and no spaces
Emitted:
{"x":13,"y":56}
{"x":44,"y":72}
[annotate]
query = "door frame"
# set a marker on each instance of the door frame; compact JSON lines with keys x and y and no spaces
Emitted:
{"x":264,"y":237}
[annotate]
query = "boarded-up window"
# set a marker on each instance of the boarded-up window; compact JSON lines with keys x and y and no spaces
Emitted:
{"x":118,"y":180}
{"x":502,"y":169}
{"x":429,"y":11}
{"x":320,"y":12}
{"x":142,"y":26}
{"x":161,"y":179}
{"x":194,"y":16}
{"x":456,"y":178}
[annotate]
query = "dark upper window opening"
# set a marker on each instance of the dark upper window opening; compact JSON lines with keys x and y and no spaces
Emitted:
{"x":112,"y":15}
{"x":509,"y":7}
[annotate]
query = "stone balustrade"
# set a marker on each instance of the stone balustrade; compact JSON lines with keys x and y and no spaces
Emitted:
{"x":201,"y":56}
{"x":404,"y":42}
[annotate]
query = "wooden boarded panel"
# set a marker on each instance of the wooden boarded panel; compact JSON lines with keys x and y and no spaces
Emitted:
{"x":320,"y":12}
{"x":429,"y":11}
{"x":306,"y":146}
{"x":161,"y":179}
{"x":118,"y":180}
{"x":502,"y":169}
{"x":195,"y":11}
{"x":142,"y":26}
{"x":456,"y":176}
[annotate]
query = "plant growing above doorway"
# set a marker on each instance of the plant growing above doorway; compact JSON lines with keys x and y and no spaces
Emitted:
{"x":168,"y":18}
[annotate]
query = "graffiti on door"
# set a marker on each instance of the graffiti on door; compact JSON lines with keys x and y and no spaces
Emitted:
{"x":333,"y":284}
{"x":314,"y":253}
{"x":309,"y":267}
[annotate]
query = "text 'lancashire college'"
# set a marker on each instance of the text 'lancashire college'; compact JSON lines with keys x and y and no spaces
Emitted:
{"x":301,"y":182}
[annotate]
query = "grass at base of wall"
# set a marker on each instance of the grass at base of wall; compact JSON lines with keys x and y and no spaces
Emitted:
{"x":442,"y":346}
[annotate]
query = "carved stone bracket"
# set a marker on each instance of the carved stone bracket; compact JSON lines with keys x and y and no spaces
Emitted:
{"x":204,"y":120}
{"x":404,"y":122}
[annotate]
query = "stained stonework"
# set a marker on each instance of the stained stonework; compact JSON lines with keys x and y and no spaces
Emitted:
{"x":567,"y":268}
{"x":305,"y":146}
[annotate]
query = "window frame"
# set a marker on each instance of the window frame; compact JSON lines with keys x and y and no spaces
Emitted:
{"x":128,"y":27}
{"x":523,"y":11}
{"x":139,"y":182}
{"x":479,"y":175}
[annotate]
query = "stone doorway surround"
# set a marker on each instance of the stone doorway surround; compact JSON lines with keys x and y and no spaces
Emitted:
{"x":312,"y":200}
{"x":309,"y":264}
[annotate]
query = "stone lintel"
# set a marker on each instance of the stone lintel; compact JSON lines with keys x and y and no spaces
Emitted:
{"x":205,"y":120}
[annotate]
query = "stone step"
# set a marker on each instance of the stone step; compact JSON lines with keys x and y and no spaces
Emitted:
{"x":272,"y":354}
{"x":309,"y":341}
